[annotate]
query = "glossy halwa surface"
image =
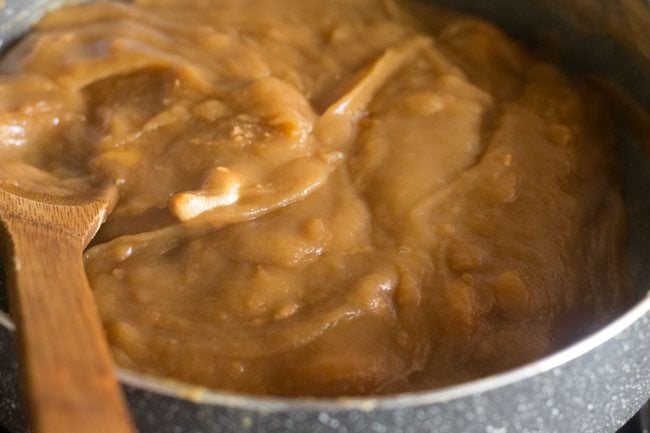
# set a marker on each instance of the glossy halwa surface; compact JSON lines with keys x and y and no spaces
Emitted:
{"x":320,"y":197}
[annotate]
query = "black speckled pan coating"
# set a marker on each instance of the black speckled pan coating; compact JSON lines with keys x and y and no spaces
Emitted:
{"x":593,"y":386}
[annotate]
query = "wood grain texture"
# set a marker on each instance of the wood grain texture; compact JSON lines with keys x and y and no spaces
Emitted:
{"x":68,"y":373}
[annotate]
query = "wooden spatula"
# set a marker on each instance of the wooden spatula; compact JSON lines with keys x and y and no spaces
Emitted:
{"x":68,"y":373}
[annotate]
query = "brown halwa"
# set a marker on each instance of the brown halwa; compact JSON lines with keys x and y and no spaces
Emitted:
{"x":321,"y":198}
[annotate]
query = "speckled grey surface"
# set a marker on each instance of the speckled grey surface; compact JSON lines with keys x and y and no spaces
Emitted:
{"x":594,"y":386}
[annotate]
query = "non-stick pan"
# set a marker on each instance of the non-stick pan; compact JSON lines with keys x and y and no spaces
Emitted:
{"x":592,"y":386}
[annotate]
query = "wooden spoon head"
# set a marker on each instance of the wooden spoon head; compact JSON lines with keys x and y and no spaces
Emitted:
{"x":78,"y":213}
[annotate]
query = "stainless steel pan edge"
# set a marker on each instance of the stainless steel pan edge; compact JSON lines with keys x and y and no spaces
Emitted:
{"x":592,"y":386}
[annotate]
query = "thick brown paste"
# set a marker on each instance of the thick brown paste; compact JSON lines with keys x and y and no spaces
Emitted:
{"x":321,"y":198}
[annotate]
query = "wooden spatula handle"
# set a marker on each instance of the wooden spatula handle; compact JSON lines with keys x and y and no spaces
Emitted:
{"x":70,"y":385}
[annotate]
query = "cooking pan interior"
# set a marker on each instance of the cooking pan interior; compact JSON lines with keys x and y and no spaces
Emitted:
{"x":558,"y":30}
